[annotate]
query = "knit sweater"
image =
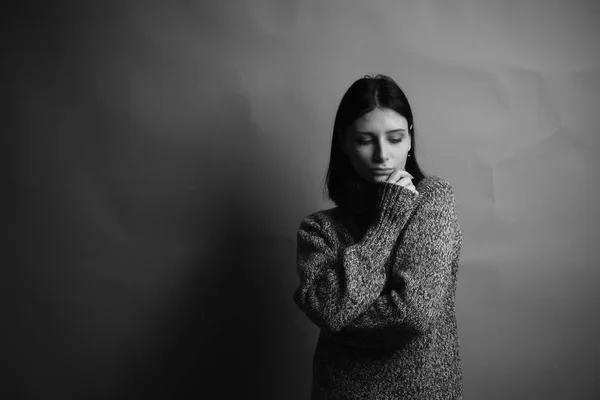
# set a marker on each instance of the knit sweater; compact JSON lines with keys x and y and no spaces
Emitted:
{"x":379,"y":277}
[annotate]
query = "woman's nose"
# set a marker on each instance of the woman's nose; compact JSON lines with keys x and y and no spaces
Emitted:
{"x":381,"y":152}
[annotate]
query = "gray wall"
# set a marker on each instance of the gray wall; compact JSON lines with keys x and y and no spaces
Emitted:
{"x":165,"y":155}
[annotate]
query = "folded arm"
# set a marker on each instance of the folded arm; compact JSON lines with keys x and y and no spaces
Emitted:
{"x":338,"y":285}
{"x":422,"y":274}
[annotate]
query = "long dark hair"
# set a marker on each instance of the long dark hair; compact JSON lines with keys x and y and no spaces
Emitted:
{"x":366,"y":94}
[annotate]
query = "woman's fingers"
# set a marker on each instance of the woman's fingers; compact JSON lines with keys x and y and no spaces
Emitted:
{"x":402,"y":178}
{"x":405,"y":181}
{"x":398,"y":174}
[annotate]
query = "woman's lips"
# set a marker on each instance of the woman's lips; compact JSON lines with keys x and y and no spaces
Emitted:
{"x":382,"y":171}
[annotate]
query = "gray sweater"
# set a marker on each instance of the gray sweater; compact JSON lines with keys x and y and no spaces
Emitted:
{"x":378,"y":277}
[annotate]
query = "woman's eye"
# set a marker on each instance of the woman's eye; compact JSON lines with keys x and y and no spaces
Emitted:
{"x":363,"y":142}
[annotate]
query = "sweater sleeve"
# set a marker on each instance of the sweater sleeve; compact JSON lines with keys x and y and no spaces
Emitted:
{"x":422,"y":273}
{"x":337,"y":285}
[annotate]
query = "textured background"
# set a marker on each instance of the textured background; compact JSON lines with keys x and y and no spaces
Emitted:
{"x":164,"y":157}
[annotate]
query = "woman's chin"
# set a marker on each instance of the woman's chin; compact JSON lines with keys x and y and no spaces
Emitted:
{"x":378,"y":178}
{"x":373,"y":179}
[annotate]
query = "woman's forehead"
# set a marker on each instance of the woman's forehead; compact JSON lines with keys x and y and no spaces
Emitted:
{"x":381,"y":119}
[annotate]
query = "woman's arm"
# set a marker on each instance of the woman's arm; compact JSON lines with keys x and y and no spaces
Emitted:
{"x":423,"y":271}
{"x":335,"y":288}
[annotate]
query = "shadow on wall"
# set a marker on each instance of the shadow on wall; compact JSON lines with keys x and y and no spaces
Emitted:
{"x":229,"y":334}
{"x":119,"y":195}
{"x":229,"y":330}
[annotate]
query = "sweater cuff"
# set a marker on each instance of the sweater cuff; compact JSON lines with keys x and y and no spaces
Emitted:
{"x":394,"y":200}
{"x":395,"y":203}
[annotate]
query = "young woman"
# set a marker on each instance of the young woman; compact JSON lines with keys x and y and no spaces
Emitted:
{"x":378,"y":272}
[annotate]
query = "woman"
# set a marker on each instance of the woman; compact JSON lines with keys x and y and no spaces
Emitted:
{"x":378,"y":272}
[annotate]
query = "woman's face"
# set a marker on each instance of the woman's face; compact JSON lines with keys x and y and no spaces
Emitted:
{"x":378,"y":139}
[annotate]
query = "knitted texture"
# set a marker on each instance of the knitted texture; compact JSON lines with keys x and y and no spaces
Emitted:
{"x":382,"y":294}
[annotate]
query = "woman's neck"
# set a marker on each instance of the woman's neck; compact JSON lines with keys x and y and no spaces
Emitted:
{"x":361,"y":199}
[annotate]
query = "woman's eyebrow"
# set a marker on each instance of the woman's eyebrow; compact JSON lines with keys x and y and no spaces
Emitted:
{"x":371,"y":133}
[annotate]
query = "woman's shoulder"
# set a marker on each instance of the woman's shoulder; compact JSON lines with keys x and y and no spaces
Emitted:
{"x":327,"y":224}
{"x":437,"y":198}
{"x":433,"y":183}
{"x":435,"y":187}
{"x":324,"y":218}
{"x":435,"y":193}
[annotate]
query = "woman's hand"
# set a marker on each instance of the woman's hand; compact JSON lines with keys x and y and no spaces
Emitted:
{"x":402,"y":178}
